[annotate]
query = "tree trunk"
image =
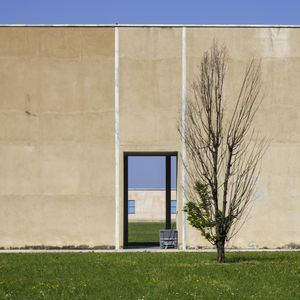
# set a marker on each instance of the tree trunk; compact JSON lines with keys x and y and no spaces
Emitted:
{"x":221,"y":252}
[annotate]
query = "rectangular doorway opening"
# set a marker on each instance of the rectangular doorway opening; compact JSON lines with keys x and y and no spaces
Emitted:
{"x":150,"y":197}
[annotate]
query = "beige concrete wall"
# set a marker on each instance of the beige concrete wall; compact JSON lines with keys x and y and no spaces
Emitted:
{"x":274,"y":219}
{"x":150,"y":205}
{"x":57,"y":160}
{"x":150,"y":93}
{"x":56,"y":136}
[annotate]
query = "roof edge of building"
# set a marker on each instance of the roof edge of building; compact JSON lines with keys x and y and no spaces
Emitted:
{"x":157,"y":25}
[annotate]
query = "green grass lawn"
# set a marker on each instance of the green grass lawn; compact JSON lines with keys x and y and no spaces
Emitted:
{"x":264,"y":275}
{"x":144,"y":232}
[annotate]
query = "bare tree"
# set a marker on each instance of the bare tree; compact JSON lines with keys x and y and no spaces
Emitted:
{"x":223,"y":151}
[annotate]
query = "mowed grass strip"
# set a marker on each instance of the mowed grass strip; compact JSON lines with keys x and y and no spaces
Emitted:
{"x":144,"y":275}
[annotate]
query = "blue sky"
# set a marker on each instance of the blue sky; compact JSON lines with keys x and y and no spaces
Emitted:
{"x":151,"y":11}
{"x":149,"y":172}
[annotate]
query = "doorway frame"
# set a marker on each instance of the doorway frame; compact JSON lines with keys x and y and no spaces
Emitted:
{"x":167,"y":155}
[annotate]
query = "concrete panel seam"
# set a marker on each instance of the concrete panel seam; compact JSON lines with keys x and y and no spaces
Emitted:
{"x":117,"y":165}
{"x":183,"y":135}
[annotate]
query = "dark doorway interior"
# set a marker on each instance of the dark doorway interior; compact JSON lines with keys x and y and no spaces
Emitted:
{"x":149,"y":197}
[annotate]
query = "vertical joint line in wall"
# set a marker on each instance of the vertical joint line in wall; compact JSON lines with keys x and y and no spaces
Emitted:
{"x":117,"y":165}
{"x":183,"y":135}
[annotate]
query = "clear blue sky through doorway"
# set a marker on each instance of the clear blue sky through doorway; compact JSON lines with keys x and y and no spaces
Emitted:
{"x":149,"y":172}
